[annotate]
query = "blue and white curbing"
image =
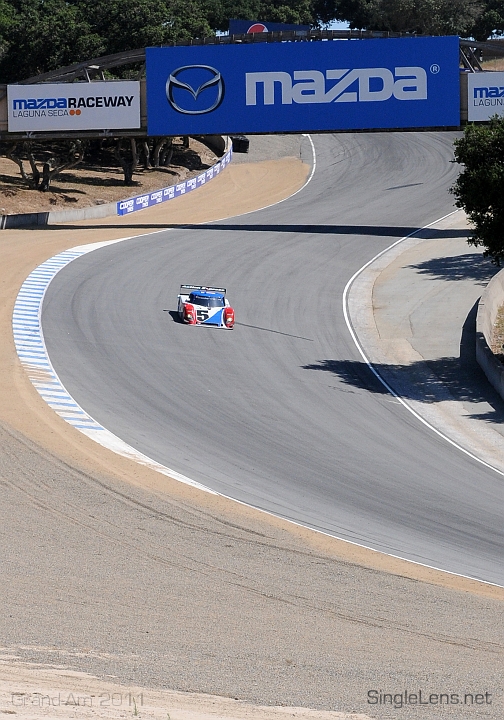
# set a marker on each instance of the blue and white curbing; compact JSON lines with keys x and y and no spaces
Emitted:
{"x":32,"y":352}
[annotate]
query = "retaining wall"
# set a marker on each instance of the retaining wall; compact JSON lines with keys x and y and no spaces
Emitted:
{"x":488,"y":306}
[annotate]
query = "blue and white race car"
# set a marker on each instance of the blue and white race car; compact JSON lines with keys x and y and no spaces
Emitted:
{"x":200,"y":305}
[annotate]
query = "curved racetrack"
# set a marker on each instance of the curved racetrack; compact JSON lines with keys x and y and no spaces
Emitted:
{"x":260,"y":413}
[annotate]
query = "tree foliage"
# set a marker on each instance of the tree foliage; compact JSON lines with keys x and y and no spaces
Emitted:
{"x":37,"y":36}
{"x":479,"y":187}
{"x":431,"y":17}
{"x":44,"y":35}
{"x":490,"y":21}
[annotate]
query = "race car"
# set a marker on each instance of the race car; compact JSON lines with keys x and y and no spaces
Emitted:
{"x":200,"y":305}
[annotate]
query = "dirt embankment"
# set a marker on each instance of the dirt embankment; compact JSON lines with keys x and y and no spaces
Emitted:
{"x":97,"y":183}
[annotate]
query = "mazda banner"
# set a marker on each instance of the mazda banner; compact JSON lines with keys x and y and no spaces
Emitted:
{"x":303,"y":86}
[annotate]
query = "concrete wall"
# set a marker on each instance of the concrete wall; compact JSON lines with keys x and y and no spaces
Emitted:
{"x":488,"y":306}
{"x":219,"y":144}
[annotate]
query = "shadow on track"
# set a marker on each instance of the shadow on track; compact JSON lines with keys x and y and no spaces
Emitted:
{"x":459,"y":267}
{"x":428,"y":381}
{"x":364,"y":230}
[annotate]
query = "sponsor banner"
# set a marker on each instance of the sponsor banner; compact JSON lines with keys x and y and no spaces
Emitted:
{"x":303,"y":87}
{"x":485,"y":95}
{"x":242,"y":27}
{"x":74,"y":106}
{"x":140,"y":202}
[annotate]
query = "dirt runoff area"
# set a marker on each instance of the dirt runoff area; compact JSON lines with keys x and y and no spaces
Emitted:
{"x":98,"y":183}
{"x":31,"y":693}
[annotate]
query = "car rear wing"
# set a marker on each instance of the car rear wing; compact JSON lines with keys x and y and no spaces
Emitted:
{"x":186,"y":289}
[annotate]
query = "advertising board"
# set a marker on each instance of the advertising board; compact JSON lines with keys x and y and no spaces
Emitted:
{"x":141,"y":202}
{"x":485,"y":95}
{"x":74,"y":106}
{"x":303,"y":87}
{"x":243,"y":27}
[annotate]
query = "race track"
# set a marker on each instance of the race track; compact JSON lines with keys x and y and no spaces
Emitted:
{"x":265,"y":413}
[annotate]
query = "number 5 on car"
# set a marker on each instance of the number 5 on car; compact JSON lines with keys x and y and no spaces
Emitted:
{"x":201,"y":305}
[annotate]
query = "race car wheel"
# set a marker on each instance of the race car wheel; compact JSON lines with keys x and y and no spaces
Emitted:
{"x":229,"y":317}
{"x":189,"y":314}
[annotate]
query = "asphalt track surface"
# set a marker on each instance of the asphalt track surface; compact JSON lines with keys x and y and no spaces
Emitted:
{"x":269,"y":413}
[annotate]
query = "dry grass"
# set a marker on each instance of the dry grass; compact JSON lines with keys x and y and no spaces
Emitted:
{"x":494,"y":64}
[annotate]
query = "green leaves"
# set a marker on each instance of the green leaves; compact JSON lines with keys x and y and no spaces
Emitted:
{"x":431,"y":17}
{"x":479,"y":189}
{"x":491,"y":20}
{"x":41,"y":36}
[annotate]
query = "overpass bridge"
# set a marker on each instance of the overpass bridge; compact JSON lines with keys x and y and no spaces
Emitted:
{"x":94,"y":70}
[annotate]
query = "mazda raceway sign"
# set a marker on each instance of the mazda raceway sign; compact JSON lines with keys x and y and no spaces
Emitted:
{"x":486,"y":96}
{"x":304,"y":86}
{"x":74,"y":106}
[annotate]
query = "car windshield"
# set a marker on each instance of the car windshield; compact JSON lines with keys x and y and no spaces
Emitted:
{"x":207,"y":301}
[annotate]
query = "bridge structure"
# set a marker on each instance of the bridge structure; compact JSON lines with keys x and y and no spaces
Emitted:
{"x":99,"y":70}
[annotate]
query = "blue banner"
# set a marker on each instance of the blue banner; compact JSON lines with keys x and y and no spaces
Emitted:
{"x":140,"y":202}
{"x":303,"y":87}
{"x":243,"y":27}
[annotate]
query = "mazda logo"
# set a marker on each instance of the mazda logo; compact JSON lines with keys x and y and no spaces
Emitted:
{"x":191,"y":81}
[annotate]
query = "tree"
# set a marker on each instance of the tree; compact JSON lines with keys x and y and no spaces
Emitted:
{"x":130,"y":24}
{"x":37,"y":36}
{"x":7,"y":16}
{"x":187,"y":19}
{"x":490,"y":22}
{"x":54,"y":157}
{"x":324,"y":11}
{"x":479,"y":187}
{"x":44,"y":35}
{"x":430,"y":17}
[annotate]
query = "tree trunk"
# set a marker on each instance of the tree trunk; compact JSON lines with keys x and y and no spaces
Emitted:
{"x":34,"y":168}
{"x":12,"y":155}
{"x":46,"y":177}
{"x":158,"y":146}
{"x":76,"y":155}
{"x":127,"y":167}
{"x":167,"y":155}
{"x":146,"y":154}
{"x":39,"y":181}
